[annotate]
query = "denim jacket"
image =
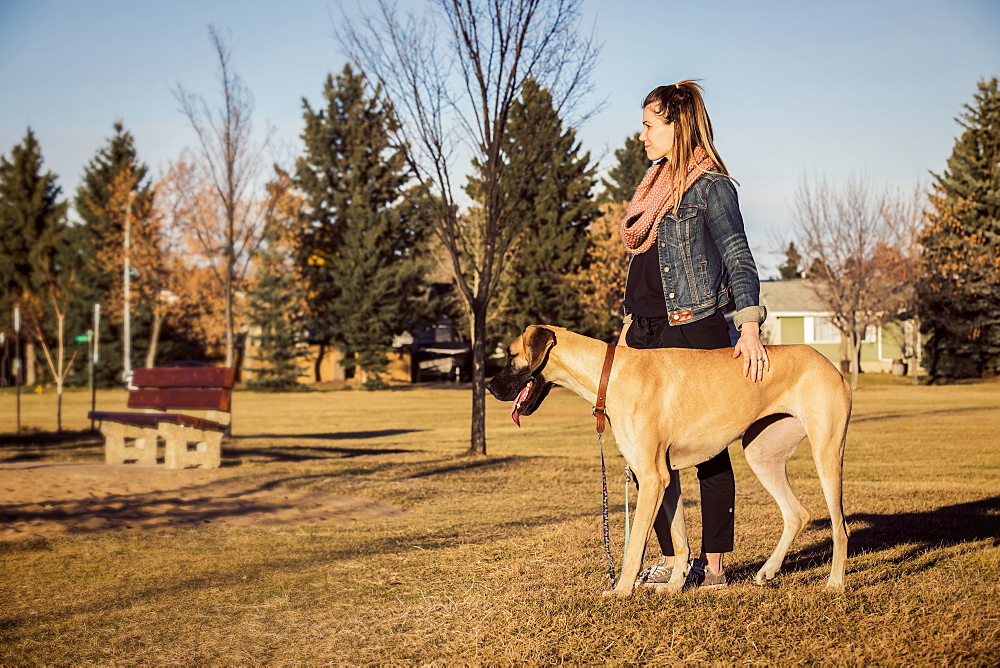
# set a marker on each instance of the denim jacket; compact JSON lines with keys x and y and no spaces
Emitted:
{"x":704,"y":257}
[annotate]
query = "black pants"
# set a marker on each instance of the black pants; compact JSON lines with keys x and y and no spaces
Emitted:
{"x":718,"y":485}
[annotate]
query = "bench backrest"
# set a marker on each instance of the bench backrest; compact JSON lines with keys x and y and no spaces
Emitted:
{"x":190,"y":388}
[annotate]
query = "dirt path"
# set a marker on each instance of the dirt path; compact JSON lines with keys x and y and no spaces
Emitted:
{"x":44,"y":499}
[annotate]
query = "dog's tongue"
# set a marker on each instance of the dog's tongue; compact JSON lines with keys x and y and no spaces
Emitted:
{"x":514,"y":414}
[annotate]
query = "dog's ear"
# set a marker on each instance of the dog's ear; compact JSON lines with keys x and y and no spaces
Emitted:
{"x":537,"y":343}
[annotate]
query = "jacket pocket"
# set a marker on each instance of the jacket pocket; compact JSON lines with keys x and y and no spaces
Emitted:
{"x":682,"y":226}
{"x":704,"y":280}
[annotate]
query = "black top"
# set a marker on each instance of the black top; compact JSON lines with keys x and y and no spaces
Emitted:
{"x":644,"y":289}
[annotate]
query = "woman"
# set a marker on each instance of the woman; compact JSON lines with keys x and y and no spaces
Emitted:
{"x":690,"y":258}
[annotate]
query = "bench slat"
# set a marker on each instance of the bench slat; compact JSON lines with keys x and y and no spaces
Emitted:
{"x":184,"y":398}
{"x":156,"y":418}
{"x":166,"y":377}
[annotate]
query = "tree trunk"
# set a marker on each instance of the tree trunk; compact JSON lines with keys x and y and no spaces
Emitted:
{"x":247,"y":367}
{"x":318,"y":365}
{"x":478,"y":441}
{"x":915,"y":349}
{"x":59,"y":374}
{"x":30,"y":373}
{"x":154,"y":338}
{"x":230,"y":345}
{"x":854,"y":348}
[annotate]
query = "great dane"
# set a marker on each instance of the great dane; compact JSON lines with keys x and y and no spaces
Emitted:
{"x":672,"y":408}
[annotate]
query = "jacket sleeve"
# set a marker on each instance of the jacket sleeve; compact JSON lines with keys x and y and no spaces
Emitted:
{"x":725,"y":224}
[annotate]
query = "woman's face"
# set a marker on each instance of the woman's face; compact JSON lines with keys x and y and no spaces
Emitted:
{"x":657,"y":135}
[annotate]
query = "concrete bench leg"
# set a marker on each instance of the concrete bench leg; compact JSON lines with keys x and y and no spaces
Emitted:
{"x":187,"y":447}
{"x":141,"y":449}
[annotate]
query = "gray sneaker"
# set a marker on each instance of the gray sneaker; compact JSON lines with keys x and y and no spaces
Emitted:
{"x":701,"y":577}
{"x":658,"y":573}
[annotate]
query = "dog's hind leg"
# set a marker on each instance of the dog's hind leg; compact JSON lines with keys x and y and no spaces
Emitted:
{"x":828,"y":441}
{"x":767,"y":445}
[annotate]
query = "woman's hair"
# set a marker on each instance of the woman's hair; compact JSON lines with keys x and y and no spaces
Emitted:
{"x":681,"y":104}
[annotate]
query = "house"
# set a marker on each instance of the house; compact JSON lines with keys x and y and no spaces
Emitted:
{"x":795,"y":314}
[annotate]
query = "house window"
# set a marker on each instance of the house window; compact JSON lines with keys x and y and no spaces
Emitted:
{"x":821,"y":330}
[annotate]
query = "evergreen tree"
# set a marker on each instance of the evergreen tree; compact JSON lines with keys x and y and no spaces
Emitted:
{"x":32,"y":223}
{"x":36,"y":272}
{"x":960,"y":294}
{"x":625,"y":176}
{"x":114,"y":169}
{"x":359,"y":251}
{"x":554,"y":206}
{"x":793,"y":260}
{"x":276,"y":298}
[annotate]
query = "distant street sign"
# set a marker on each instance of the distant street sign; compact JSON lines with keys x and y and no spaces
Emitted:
{"x":81,"y":338}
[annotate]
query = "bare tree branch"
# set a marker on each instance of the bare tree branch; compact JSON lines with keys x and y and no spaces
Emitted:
{"x":232,"y":158}
{"x":858,"y":254}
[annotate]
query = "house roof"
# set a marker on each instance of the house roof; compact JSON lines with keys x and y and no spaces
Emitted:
{"x":792,"y":296}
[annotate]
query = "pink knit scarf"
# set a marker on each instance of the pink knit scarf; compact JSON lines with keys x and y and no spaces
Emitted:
{"x":657,"y":188}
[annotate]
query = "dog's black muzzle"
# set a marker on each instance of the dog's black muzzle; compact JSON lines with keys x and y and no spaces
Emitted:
{"x":506,"y":385}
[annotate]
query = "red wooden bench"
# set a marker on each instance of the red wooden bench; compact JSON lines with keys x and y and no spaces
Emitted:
{"x":189,"y":440}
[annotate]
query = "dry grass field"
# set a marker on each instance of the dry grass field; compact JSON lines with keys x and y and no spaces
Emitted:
{"x":497,"y":560}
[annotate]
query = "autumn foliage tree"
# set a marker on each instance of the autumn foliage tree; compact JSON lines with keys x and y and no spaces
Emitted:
{"x":230,"y":156}
{"x":845,"y":230}
{"x":188,"y":214}
{"x":135,"y":229}
{"x":114,"y":190}
{"x":603,"y":279}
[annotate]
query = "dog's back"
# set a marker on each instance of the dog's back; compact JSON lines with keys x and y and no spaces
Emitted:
{"x":707,"y":403}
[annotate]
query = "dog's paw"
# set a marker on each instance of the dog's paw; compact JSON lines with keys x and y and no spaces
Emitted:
{"x":616,"y":593}
{"x":764,"y":576}
{"x":669,"y":587}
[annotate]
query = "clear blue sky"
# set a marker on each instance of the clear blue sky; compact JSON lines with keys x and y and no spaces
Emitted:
{"x":793,"y":88}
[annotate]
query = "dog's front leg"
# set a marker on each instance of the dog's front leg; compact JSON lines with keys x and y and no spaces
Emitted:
{"x":650,"y":498}
{"x":674,"y":506}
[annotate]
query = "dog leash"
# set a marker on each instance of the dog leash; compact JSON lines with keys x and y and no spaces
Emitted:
{"x":600,"y":414}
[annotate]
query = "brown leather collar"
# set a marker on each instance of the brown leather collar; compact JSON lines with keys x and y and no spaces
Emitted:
{"x":602,"y":387}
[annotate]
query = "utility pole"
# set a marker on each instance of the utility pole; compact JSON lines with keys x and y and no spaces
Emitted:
{"x":126,"y":317}
{"x":95,"y":338}
{"x":17,"y":362}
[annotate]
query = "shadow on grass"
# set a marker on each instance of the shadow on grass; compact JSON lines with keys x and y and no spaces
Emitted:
{"x":299,"y":449}
{"x":942,"y":411}
{"x":329,"y":436}
{"x":49,"y":438}
{"x":467,"y":465}
{"x":39,"y":445}
{"x":277,"y":564}
{"x":302,"y":453}
{"x":191,"y":506}
{"x":216,"y":501}
{"x":920,"y":531}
